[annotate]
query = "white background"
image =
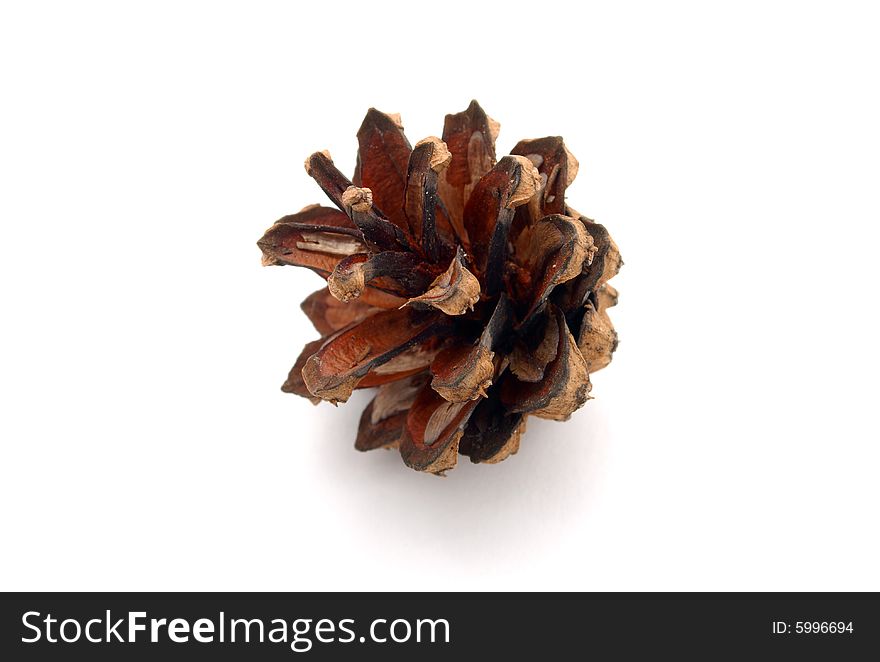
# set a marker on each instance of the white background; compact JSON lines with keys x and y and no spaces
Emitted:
{"x":733,"y":151}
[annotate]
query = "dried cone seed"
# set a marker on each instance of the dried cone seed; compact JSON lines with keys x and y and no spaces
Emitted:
{"x":464,"y":288}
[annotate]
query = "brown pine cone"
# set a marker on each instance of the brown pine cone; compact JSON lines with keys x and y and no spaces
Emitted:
{"x":467,"y":290}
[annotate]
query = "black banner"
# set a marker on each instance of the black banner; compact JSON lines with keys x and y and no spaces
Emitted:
{"x":319,"y":626}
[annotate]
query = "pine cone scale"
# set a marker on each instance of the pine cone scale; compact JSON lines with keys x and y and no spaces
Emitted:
{"x":316,"y":238}
{"x":470,"y":138}
{"x":383,"y":157}
{"x":492,"y":433}
{"x":433,"y":429}
{"x":328,"y":314}
{"x":489,"y":213}
{"x":429,"y":158}
{"x":345,"y":358}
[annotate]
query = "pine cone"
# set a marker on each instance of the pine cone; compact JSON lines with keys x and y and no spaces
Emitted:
{"x":466,"y":289}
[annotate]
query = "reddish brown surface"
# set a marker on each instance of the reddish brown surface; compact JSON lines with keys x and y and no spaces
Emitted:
{"x":320,"y":218}
{"x":280,"y":242}
{"x":458,"y":130}
{"x":554,"y":166}
{"x":328,"y":314}
{"x":377,"y":379}
{"x":421,"y":204}
{"x":353,"y":352}
{"x":384,"y":427}
{"x":451,"y":365}
{"x":487,"y":221}
{"x":380,"y":299}
{"x":383,"y":154}
{"x":294,"y":383}
{"x":382,"y":434}
{"x":469,"y":139}
{"x":402,"y":274}
{"x":413,"y":450}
